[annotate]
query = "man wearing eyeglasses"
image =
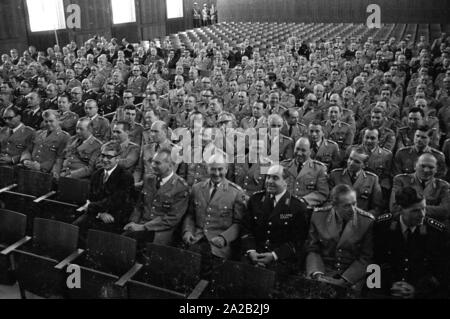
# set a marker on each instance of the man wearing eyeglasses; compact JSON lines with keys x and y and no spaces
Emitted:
{"x":110,"y":198}
{"x":15,"y":137}
{"x":310,"y":111}
{"x":301,"y":91}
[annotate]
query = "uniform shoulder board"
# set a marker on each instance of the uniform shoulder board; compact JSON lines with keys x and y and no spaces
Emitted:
{"x":336,"y":170}
{"x":435,"y":224}
{"x":287,"y":137}
{"x":384,"y":217}
{"x":333,"y":142}
{"x":285,"y":162}
{"x":319,"y":163}
{"x":322,"y":209}
{"x":95,"y":140}
{"x":365,"y":214}
{"x":404,"y":149}
{"x":371,"y":174}
{"x":386,"y":150}
{"x":345,"y":124}
{"x":433,"y":150}
{"x":404,"y":128}
{"x":236,"y":186}
{"x":63,"y":133}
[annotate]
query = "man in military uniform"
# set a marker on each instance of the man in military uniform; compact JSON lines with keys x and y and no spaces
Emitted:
{"x":129,"y":154}
{"x":137,"y":83}
{"x":435,"y":191}
{"x":274,"y":137}
{"x":100,"y":125}
{"x":110,"y":101}
{"x":160,"y":140}
{"x":378,"y":121}
{"x":215,"y":212}
{"x":336,"y":130}
{"x":307,"y":178}
{"x":323,"y":150}
{"x":48,"y":145}
{"x":77,"y":102}
{"x":250,"y":170}
{"x":405,"y":158}
{"x":15,"y":137}
{"x":162,"y":204}
{"x":405,"y":135}
{"x":379,"y":161}
{"x":258,"y":119}
{"x":32,"y":115}
{"x":80,"y":154}
{"x":339,"y":244}
{"x":292,"y":127}
{"x":366,"y":184}
{"x":136,"y":129}
{"x":274,"y":227}
{"x":67,"y":118}
{"x":412,"y":250}
{"x":243,"y":109}
{"x":346,"y":115}
{"x":51,"y":102}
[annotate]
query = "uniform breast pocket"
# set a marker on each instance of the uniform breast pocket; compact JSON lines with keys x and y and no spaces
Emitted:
{"x":20,"y":147}
{"x":365,"y":193}
{"x":53,"y":148}
{"x":326,"y":157}
{"x":166,"y":205}
{"x":226,"y":212}
{"x":310,"y":184}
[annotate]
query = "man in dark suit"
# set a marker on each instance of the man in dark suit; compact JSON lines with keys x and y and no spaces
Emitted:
{"x":412,"y":250}
{"x":275,"y":226}
{"x":110,"y":198}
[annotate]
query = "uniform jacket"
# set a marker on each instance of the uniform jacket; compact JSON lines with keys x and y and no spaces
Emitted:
{"x":281,"y":229}
{"x":328,"y":153}
{"x":80,"y":156}
{"x":406,"y":158}
{"x":15,"y":144}
{"x":436,"y":193}
{"x":367,"y":189}
{"x":310,"y":184}
{"x":221,"y":215}
{"x":422,"y":262}
{"x":331,"y":252}
{"x":161,"y":210}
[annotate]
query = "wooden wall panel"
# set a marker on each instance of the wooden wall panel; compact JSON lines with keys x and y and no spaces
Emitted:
{"x":401,"y":11}
{"x":13,"y":31}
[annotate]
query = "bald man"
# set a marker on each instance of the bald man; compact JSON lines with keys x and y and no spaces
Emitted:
{"x":81,"y":153}
{"x":215,"y":211}
{"x":435,"y":191}
{"x":275,"y":226}
{"x":307,"y":179}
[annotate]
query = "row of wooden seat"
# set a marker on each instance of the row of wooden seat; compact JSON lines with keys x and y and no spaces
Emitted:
{"x":41,"y":264}
{"x":266,"y":34}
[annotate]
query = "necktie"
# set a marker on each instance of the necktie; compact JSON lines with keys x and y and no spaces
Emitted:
{"x":299,"y":168}
{"x":157,"y":148}
{"x":353,"y":178}
{"x":315,"y":148}
{"x":290,"y":130}
{"x":105,"y":177}
{"x":214,"y":190}
{"x":158,"y":183}
{"x":408,"y":235}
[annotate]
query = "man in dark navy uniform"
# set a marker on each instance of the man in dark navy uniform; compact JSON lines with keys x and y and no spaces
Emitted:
{"x":275,"y":226}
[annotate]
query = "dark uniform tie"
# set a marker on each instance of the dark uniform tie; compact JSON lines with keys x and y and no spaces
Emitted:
{"x":214,"y":190}
{"x":291,"y":128}
{"x":299,"y":168}
{"x":315,"y":148}
{"x":158,"y":183}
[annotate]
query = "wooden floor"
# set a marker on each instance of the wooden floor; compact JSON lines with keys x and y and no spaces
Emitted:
{"x":12,"y":292}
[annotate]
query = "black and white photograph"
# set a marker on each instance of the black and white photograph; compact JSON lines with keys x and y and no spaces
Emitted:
{"x":229,"y":154}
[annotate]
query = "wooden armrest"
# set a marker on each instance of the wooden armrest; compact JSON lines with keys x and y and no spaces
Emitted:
{"x":198,"y":290}
{"x":48,"y":195}
{"x":83,"y":208}
{"x":7,"y":188}
{"x":77,"y":253}
{"x":16,"y":245}
{"x":125,"y":278}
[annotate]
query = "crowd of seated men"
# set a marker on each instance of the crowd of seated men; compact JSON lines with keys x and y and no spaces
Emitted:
{"x":361,"y":133}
